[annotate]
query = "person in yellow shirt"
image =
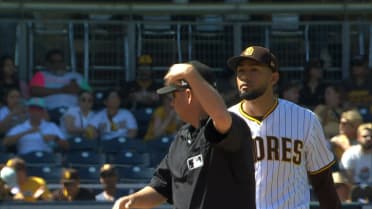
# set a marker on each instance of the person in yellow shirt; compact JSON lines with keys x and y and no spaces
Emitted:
{"x":28,"y":188}
{"x":164,"y":121}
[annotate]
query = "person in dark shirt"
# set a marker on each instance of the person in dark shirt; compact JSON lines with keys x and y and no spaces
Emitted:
{"x":313,"y":86}
{"x":209,"y":164}
{"x":71,"y":189}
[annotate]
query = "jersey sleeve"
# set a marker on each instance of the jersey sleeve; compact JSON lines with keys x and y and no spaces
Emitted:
{"x":162,"y":180}
{"x":230,"y":141}
{"x":318,"y":156}
{"x":38,"y":80}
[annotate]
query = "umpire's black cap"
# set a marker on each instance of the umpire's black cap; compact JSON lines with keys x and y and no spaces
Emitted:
{"x":204,"y":70}
{"x":259,"y":54}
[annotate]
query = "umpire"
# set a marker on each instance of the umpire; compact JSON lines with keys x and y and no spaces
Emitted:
{"x":210,"y":164}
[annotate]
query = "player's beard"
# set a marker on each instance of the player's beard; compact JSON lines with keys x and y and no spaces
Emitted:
{"x":253,"y":94}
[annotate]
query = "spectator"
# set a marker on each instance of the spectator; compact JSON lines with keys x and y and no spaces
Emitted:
{"x":164,"y":121}
{"x":142,"y":90}
{"x":290,"y":91}
{"x":108,"y":178}
{"x":9,"y":77}
{"x":357,"y":160}
{"x":359,"y":86}
{"x":361,"y":194}
{"x":58,"y":87}
{"x":13,"y":112}
{"x":71,"y":190}
{"x":75,"y":121}
{"x":330,"y":109}
{"x":35,"y":134}
{"x":313,"y":86}
{"x":113,"y":122}
{"x":8,"y":179}
{"x":343,"y":187}
{"x":28,"y":188}
{"x":348,"y":126}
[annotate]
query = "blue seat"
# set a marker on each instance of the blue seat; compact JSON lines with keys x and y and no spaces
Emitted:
{"x":88,"y":174}
{"x":117,"y":144}
{"x":135,"y":173}
{"x":156,"y":158}
{"x":157,"y":149}
{"x":83,"y":158}
{"x":143,"y":117}
{"x":161,"y":143}
{"x":40,"y":157}
{"x":56,"y":114}
{"x":4,"y":157}
{"x":81,"y":143}
{"x":98,"y":100}
{"x":50,"y":173}
{"x":131,"y":158}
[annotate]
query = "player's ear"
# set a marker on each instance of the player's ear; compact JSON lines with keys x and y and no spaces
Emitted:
{"x":189,"y":95}
{"x":275,"y":78}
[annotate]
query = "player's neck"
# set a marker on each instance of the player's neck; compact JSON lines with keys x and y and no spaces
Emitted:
{"x":260,"y":106}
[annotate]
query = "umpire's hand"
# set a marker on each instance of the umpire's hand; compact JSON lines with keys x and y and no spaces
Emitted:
{"x":124,"y":203}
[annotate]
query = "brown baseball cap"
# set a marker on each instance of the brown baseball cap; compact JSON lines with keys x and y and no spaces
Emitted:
{"x":69,"y":175}
{"x":259,"y":54}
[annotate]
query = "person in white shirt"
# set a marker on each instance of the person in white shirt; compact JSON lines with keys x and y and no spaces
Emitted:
{"x":76,"y":119}
{"x":356,"y":161}
{"x":113,"y":121}
{"x":35,"y":134}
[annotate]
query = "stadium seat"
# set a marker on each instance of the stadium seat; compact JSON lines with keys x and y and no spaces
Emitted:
{"x":135,"y":173}
{"x":160,"y":39}
{"x":143,"y":117}
{"x":161,"y":143}
{"x":131,"y":158}
{"x":81,"y":143}
{"x":156,"y":157}
{"x":4,"y":157}
{"x":88,"y":174}
{"x":98,"y":100}
{"x":50,"y":173}
{"x":117,"y":144}
{"x":83,"y":158}
{"x":157,"y":149}
{"x":40,"y":157}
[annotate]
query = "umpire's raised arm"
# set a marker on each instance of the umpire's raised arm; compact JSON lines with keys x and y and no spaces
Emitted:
{"x":208,"y":97}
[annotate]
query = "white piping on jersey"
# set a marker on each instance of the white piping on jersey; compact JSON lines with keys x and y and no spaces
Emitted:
{"x":246,"y":115}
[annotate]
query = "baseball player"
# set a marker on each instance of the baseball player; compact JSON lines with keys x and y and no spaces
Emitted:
{"x":289,"y":140}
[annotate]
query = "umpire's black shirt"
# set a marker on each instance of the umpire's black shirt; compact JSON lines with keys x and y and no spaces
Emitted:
{"x":206,"y":170}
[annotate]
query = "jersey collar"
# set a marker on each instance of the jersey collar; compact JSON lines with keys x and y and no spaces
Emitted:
{"x":249,"y":117}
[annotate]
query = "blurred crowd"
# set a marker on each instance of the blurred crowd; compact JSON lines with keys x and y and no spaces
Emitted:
{"x":57,"y":109}
{"x":57,"y":113}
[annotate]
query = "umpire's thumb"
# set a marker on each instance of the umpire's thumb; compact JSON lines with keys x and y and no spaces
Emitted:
{"x":129,"y":204}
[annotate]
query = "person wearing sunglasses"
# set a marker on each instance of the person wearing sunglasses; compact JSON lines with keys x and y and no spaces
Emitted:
{"x":75,"y":120}
{"x":210,"y":163}
{"x":113,"y":121}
